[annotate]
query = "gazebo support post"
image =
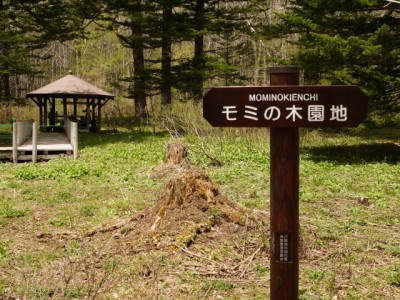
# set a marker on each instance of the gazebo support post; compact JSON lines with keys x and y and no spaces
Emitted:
{"x":99,"y":116}
{"x":45,"y":111}
{"x":40,"y":104}
{"x":75,"y":107}
{"x":87,"y":113}
{"x":93,"y":109}
{"x":52,"y":114}
{"x":65,"y":109}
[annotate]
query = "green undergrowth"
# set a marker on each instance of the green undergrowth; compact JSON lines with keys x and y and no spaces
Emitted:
{"x":349,"y":208}
{"x":110,"y":179}
{"x":5,"y":135}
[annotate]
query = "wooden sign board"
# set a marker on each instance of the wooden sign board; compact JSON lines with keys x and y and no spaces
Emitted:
{"x":285,"y":106}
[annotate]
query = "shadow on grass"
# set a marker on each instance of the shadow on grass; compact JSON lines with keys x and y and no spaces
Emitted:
{"x":355,"y":154}
{"x":377,"y":134}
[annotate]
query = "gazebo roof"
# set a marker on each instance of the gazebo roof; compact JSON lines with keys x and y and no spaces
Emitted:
{"x":70,"y":86}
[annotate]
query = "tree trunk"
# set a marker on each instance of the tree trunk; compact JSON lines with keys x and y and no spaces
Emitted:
{"x":139,"y":86}
{"x":166,"y":56}
{"x":198,"y":60}
{"x":5,"y":78}
{"x":6,"y":84}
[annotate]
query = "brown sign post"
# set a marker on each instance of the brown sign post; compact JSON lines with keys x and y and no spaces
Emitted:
{"x":284,"y":201}
{"x":285,"y":107}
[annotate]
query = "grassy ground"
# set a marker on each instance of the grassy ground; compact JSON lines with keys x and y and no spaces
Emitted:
{"x":349,"y":214}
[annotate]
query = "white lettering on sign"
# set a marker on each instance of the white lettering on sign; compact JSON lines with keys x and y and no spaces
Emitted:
{"x":294,"y":113}
{"x":272,"y":111}
{"x":228,"y":111}
{"x":315,"y":113}
{"x":250,"y":113}
{"x":283,"y":97}
{"x":339,"y":113}
{"x":284,"y":247}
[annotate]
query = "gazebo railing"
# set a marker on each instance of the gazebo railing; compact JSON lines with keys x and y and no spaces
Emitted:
{"x":71,"y":131}
{"x":22,"y":131}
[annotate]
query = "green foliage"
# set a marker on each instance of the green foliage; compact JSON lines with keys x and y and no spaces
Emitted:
{"x":101,"y":46}
{"x":56,"y":170}
{"x":27,"y":26}
{"x":155,"y":26}
{"x":7,"y":210}
{"x":3,"y":251}
{"x":14,"y":50}
{"x":347,"y":42}
{"x":394,"y":276}
{"x":262,"y":269}
{"x":60,"y":220}
{"x":221,"y":285}
{"x":316,"y":275}
{"x":88,"y":211}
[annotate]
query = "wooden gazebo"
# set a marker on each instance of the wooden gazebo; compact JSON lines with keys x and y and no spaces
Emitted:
{"x":70,"y":98}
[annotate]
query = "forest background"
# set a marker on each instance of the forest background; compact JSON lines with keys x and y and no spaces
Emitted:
{"x":159,"y":52}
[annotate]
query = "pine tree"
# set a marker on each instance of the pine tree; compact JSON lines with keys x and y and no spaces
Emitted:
{"x":14,"y":47}
{"x":129,"y":20}
{"x":28,"y":26}
{"x":226,"y":26}
{"x":347,"y":42}
{"x":156,"y":26}
{"x":233,"y":28}
{"x":169,"y":27}
{"x":199,"y":63}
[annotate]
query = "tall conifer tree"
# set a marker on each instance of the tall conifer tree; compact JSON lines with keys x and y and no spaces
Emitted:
{"x":130,"y":20}
{"x":347,"y":42}
{"x":26,"y":26}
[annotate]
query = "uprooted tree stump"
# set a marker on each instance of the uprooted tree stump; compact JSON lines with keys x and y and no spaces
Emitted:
{"x":191,"y":197}
{"x":196,"y":188}
{"x":176,"y":163}
{"x":177,"y":153}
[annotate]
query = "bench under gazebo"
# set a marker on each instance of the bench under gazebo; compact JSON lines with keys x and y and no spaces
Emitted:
{"x":70,"y":98}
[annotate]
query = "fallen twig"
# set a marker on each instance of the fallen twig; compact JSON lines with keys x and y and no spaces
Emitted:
{"x":245,"y":237}
{"x":196,"y":255}
{"x":250,"y":260}
{"x":205,"y":295}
